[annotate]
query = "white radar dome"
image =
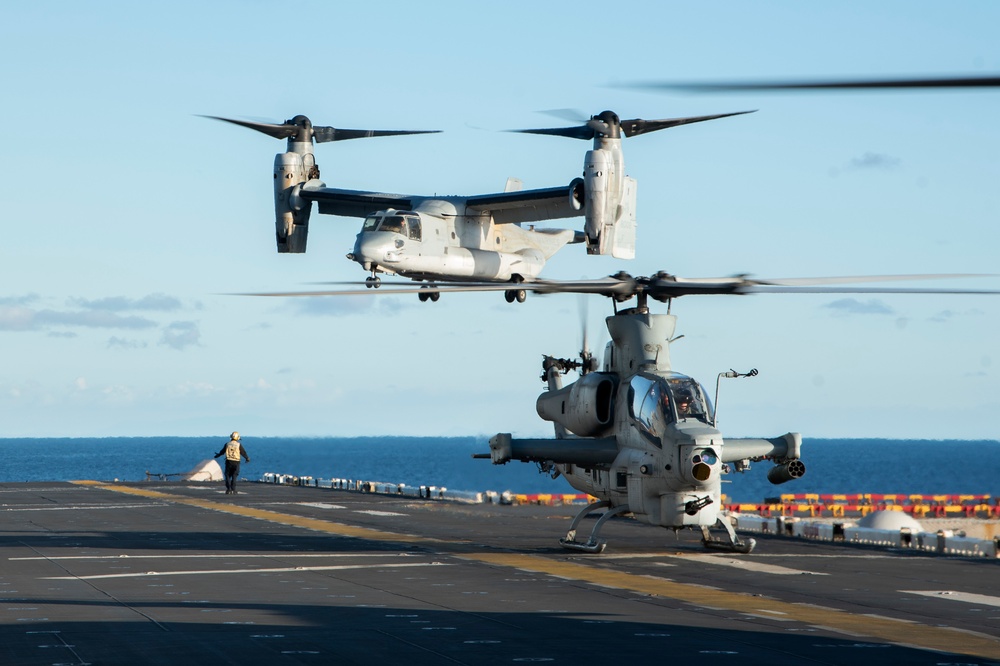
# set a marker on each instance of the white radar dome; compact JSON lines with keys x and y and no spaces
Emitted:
{"x":890,"y":520}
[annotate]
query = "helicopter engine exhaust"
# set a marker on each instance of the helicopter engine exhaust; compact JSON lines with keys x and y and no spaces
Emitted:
{"x":585,"y":407}
{"x":789,"y":471}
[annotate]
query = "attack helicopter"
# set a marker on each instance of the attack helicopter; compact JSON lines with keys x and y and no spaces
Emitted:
{"x":462,"y":238}
{"x":634,"y":433}
{"x":641,"y":437}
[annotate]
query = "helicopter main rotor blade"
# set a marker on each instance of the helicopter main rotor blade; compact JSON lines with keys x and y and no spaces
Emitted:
{"x":985,"y":81}
{"x":392,"y":288}
{"x":765,"y":289}
{"x":663,"y":286}
{"x":849,"y":279}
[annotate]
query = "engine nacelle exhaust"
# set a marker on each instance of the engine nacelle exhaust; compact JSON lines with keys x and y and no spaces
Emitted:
{"x":577,"y":194}
{"x":291,"y":212}
{"x":789,"y":471}
{"x":584,"y":407}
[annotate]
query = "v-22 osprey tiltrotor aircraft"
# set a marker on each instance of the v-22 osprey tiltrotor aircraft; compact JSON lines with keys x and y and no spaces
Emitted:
{"x":462,"y":238}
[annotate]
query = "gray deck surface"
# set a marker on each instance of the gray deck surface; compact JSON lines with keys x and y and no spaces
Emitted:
{"x":174,"y":573}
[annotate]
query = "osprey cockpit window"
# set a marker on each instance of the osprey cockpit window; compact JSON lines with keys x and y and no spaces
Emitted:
{"x":403,"y":223}
{"x":393,"y":223}
{"x":413,"y":227}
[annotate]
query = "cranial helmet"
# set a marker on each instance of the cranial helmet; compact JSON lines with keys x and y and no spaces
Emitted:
{"x":235,"y":436}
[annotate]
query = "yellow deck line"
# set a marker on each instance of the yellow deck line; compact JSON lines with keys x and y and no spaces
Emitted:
{"x":315,"y":524}
{"x":899,"y":632}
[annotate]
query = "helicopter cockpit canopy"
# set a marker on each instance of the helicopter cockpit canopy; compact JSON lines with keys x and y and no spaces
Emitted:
{"x":655,"y":402}
{"x":689,"y":398}
{"x":403,"y":222}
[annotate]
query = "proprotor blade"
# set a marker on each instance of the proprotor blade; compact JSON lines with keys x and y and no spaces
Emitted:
{"x":302,"y":128}
{"x":324,"y":134}
{"x":607,"y":124}
{"x":579,"y":132}
{"x":639,"y":126}
{"x":282,"y":131}
{"x":987,"y":81}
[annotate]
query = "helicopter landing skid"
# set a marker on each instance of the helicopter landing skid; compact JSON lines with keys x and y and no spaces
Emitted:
{"x":733,"y":545}
{"x":591,"y":545}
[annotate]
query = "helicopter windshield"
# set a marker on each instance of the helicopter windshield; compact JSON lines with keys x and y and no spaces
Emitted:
{"x":655,"y":402}
{"x":689,"y":399}
{"x":649,"y":406}
{"x":403,"y":224}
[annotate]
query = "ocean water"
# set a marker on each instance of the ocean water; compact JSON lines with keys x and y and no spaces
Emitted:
{"x":832,"y":465}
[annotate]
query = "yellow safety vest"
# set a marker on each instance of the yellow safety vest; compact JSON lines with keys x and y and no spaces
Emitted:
{"x":233,"y":451}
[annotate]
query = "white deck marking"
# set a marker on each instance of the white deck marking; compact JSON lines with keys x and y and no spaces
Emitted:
{"x":83,"y":507}
{"x":634,"y":556}
{"x":380,"y":513}
{"x":950,"y":595}
{"x":240,"y":556}
{"x":747,"y":565}
{"x":322,"y":505}
{"x":214,"y":572}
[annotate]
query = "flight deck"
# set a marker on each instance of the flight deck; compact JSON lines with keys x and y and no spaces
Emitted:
{"x":181,"y":573}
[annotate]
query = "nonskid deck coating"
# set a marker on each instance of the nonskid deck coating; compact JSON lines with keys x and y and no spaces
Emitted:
{"x":165,"y":573}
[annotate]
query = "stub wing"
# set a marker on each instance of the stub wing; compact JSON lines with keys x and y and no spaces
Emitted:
{"x":354,"y":203}
{"x":505,"y":207}
{"x":581,"y":451}
{"x":786,"y":447}
{"x":529,"y":205}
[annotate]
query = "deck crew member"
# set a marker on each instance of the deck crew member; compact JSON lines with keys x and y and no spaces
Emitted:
{"x":233,"y":449}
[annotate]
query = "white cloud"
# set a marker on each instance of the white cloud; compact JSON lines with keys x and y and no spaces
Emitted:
{"x":156,"y":302}
{"x":115,"y":342}
{"x":180,"y":334}
{"x":19,"y":318}
{"x":875,"y":161}
{"x":854,"y":306}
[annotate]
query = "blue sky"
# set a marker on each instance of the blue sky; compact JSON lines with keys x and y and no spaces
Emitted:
{"x":128,"y":218}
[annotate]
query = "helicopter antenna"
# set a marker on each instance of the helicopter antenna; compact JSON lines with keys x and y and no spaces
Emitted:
{"x":731,"y":374}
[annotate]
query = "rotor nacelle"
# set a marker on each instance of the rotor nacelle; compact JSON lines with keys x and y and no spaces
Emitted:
{"x":291,"y":212}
